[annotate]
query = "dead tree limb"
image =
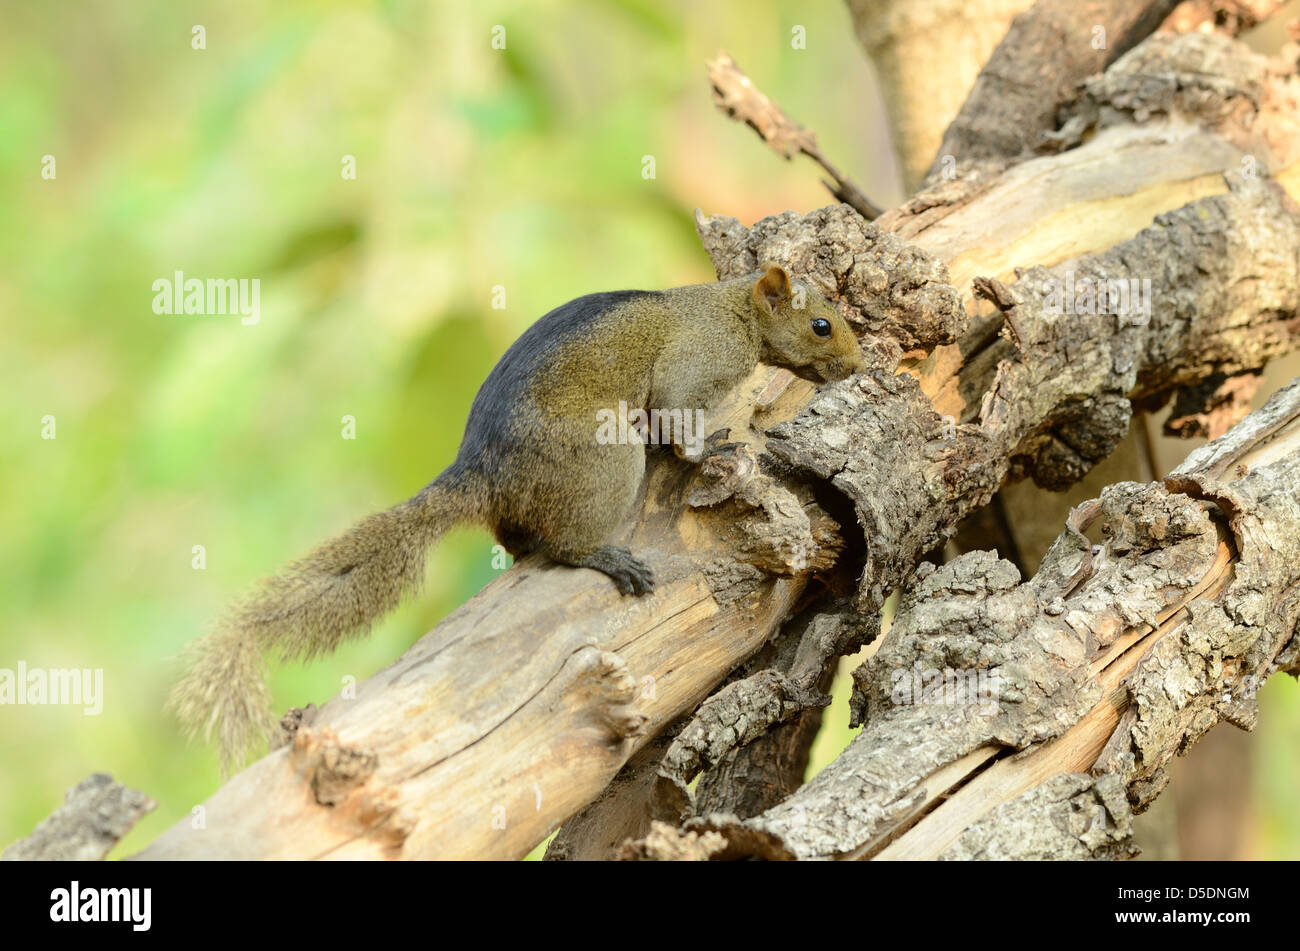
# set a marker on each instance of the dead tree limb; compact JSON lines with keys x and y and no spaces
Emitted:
{"x":735,"y":94}
{"x":1051,"y":47}
{"x":927,"y":55}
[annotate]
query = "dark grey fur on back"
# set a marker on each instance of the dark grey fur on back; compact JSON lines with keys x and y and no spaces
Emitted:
{"x":494,"y":413}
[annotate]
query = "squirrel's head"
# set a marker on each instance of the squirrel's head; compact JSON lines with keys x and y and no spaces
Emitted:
{"x":802,"y":330}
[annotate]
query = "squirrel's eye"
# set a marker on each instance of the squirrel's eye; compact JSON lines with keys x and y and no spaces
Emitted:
{"x":821,"y":326}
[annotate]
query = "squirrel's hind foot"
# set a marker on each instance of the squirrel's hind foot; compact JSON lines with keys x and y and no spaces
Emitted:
{"x":629,"y":573}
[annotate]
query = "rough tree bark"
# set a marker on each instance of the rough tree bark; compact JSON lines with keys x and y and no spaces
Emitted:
{"x":96,"y":813}
{"x":1113,"y":658}
{"x":1021,"y":520}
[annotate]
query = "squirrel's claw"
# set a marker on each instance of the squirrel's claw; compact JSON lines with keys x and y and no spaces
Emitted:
{"x":630,"y":574}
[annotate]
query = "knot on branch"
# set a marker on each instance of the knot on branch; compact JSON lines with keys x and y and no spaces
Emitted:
{"x":331,"y":769}
{"x":343,"y":779}
{"x":604,"y":688}
{"x":894,"y":292}
{"x":294,"y":719}
{"x":777,"y":530}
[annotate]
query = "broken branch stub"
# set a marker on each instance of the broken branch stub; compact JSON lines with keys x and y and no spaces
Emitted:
{"x":1050,"y":47}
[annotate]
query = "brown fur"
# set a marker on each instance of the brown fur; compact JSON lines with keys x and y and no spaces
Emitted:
{"x":530,"y":468}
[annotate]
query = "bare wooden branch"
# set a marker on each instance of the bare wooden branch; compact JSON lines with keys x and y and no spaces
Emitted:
{"x":740,"y":779}
{"x":752,"y":778}
{"x":927,"y":55}
{"x":735,"y":94}
{"x":1182,"y":55}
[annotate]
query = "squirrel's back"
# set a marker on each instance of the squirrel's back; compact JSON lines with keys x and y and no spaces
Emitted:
{"x":566,"y":365}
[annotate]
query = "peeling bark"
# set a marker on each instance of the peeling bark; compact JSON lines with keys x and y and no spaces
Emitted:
{"x":1223,"y":269}
{"x":732,"y":717}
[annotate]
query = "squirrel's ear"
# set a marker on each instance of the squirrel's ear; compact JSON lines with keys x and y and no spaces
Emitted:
{"x":772,"y":289}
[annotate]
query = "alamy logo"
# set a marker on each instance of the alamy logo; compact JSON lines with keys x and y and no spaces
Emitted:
{"x":103,"y":904}
{"x":214,"y":297}
{"x":1120,"y":298}
{"x":929,"y":685}
{"x":56,"y":686}
{"x":655,"y":427}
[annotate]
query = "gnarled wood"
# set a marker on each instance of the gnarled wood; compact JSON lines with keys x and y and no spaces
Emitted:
{"x":1099,"y":669}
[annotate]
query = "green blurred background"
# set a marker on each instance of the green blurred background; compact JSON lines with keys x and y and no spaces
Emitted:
{"x":475,"y":168}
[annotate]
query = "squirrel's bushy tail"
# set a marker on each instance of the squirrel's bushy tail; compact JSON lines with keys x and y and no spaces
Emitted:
{"x":336,"y":592}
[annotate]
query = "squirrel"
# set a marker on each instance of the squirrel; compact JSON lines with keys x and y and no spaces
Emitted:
{"x":530,"y":467}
